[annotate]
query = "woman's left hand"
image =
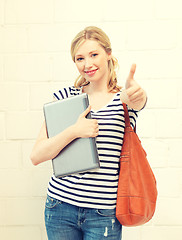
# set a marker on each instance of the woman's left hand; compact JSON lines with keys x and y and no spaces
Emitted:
{"x":136,"y":96}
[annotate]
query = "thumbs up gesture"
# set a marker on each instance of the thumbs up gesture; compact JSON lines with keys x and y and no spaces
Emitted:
{"x":136,"y":96}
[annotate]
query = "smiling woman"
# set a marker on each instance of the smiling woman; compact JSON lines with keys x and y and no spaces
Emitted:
{"x":82,"y":205}
{"x":100,"y":44}
{"x":92,"y":62}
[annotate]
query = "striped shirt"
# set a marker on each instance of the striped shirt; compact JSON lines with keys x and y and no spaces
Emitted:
{"x":96,"y":188}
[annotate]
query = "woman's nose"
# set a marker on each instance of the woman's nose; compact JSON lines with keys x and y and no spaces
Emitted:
{"x":88,"y":63}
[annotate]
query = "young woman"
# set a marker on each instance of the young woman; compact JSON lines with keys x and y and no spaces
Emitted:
{"x":82,"y":205}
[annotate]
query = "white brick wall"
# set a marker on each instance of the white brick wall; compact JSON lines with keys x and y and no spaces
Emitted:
{"x":35,"y":39}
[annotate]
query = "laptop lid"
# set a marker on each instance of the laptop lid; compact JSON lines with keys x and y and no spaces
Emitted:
{"x":81,"y":154}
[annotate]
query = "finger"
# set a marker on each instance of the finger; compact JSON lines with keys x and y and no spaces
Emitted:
{"x":95,"y":122}
{"x":132,"y":72}
{"x":84,"y":114}
{"x":136,"y":97}
{"x":95,"y":134}
{"x":132,"y":90}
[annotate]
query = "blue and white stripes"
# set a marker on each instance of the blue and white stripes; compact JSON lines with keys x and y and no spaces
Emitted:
{"x":97,"y":188}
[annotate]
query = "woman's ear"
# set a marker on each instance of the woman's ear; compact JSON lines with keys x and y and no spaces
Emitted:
{"x":109,"y":56}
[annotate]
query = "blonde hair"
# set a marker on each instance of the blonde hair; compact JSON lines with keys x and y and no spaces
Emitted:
{"x":95,"y":33}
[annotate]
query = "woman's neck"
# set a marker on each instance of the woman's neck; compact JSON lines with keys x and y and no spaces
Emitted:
{"x":95,"y":88}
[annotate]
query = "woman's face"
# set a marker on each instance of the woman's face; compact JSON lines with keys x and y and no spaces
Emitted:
{"x":92,"y":61}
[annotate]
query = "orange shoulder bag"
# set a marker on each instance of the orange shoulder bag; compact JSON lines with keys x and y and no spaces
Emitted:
{"x":137,"y":191}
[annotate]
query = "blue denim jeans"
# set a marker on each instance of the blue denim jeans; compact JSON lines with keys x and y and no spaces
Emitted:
{"x":67,"y":222}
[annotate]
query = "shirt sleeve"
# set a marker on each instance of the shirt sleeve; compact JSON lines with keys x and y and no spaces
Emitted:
{"x":133,"y":115}
{"x":66,"y":92}
{"x":61,"y":94}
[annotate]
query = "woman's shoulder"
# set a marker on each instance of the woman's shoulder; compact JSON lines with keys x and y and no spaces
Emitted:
{"x":66,"y":92}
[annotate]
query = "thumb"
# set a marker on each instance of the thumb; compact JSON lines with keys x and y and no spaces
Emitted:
{"x":84,"y":114}
{"x":131,"y":75}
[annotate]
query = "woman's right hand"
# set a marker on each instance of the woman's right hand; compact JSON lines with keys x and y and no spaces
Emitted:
{"x":85,"y":127}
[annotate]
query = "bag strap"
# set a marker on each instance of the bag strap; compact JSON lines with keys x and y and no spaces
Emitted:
{"x":127,"y":118}
{"x":126,"y":115}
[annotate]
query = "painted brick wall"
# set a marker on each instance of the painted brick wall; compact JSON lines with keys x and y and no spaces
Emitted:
{"x":35,"y":41}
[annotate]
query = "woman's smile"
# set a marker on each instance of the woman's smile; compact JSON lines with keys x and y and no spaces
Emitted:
{"x":91,"y":73}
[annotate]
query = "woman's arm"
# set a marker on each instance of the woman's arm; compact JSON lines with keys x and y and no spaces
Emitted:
{"x":47,"y":148}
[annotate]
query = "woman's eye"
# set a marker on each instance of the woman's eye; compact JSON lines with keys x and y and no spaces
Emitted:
{"x":94,"y":54}
{"x":79,"y":59}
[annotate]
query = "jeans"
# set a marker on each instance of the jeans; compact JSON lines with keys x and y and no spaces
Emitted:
{"x":67,"y":222}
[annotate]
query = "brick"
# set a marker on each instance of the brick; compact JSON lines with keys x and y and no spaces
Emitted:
{"x":79,"y":11}
{"x":40,"y":181}
{"x":26,"y":151}
{"x":179,"y":93}
{"x":125,"y":62}
{"x":145,"y":118}
{"x":175,"y":154}
{"x":15,"y":183}
{"x":131,"y":233}
{"x":118,"y":41}
{"x":45,"y":38}
{"x":27,"y":164}
{"x":149,"y":64}
{"x":130,"y":10}
{"x":13,"y":39}
{"x":171,"y":10}
{"x":3,"y":212}
{"x":151,"y":35}
{"x":25,"y":211}
{"x":179,"y":24}
{"x":181,"y":182}
{"x":27,"y":68}
{"x":52,"y":38}
{"x":44,"y":233}
{"x":13,"y":97}
{"x":167,"y":233}
{"x":1,"y":69}
{"x":20,"y":232}
{"x":39,"y":95}
{"x":168,"y":212}
{"x":2,"y":12}
{"x":28,"y":11}
{"x":168,"y":182}
{"x":157,"y":152}
{"x":2,"y":125}
{"x":157,"y":98}
{"x":168,"y":124}
{"x":23,"y":125}
{"x":10,"y":155}
{"x":61,"y":64}
{"x":166,"y":70}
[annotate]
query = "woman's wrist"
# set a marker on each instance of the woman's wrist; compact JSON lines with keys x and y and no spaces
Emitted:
{"x":146,"y":98}
{"x":73,"y":130}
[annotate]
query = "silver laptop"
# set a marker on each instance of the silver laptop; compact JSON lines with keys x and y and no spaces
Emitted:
{"x":81,"y":154}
